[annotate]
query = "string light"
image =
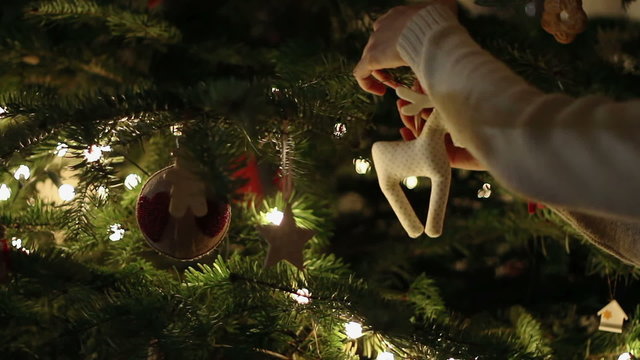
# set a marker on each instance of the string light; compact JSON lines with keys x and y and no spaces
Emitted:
{"x":362,"y":165}
{"x":117,"y":232}
{"x":66,"y":192}
{"x":353,"y":329}
{"x":385,"y":356}
{"x":132,"y":181}
{"x":94,"y":152}
{"x":22,"y":173}
{"x":61,"y":149}
{"x":103,"y":192}
{"x":17,"y":243}
{"x":485,"y":192}
{"x":302,"y":296}
{"x":274,"y":216}
{"x":5,"y":192}
{"x":410,"y":182}
{"x":176,"y":129}
{"x":339,"y":129}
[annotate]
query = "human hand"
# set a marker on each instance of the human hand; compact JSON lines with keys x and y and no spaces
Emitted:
{"x":458,"y":157}
{"x":381,"y":52}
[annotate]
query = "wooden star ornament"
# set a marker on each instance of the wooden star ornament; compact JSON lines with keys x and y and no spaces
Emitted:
{"x":286,"y":241}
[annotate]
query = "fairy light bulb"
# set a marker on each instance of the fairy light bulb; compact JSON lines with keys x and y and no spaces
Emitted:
{"x":117,"y":232}
{"x":353,"y":329}
{"x":410,"y":182}
{"x":103,"y":192}
{"x":22,"y":173}
{"x":61,"y":149}
{"x":5,"y":192}
{"x":94,"y":152}
{"x":362,"y":165}
{"x":385,"y":355}
{"x":67,"y":192}
{"x":176,"y":129}
{"x":339,"y":129}
{"x":17,"y":243}
{"x":132,"y":181}
{"x":274,"y":216}
{"x":302,"y":296}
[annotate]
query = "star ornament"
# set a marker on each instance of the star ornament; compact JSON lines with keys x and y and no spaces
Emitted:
{"x":286,"y":241}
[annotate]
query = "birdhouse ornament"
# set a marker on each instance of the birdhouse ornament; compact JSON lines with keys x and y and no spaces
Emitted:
{"x":424,"y":156}
{"x":612,"y":317}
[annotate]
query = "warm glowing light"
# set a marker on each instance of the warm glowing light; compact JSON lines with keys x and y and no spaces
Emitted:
{"x":274,"y":216}
{"x":66,"y":192}
{"x":94,"y":152}
{"x":117,"y":232}
{"x":385,"y":356}
{"x":22,"y":173}
{"x":353,"y":329}
{"x":61,"y":149}
{"x":485,"y":192}
{"x":103,"y":192}
{"x":176,"y":129}
{"x":5,"y":192}
{"x":362,"y":165}
{"x":17,"y":243}
{"x":302,"y":296}
{"x":410,"y":182}
{"x":132,"y":181}
{"x":626,"y":356}
{"x":339,"y":129}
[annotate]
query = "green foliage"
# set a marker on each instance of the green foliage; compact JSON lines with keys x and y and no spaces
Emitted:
{"x":267,"y":78}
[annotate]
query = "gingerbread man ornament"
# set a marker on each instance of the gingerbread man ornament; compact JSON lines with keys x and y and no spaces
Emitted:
{"x":424,"y":156}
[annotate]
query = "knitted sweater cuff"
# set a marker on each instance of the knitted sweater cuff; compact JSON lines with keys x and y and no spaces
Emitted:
{"x":424,"y":23}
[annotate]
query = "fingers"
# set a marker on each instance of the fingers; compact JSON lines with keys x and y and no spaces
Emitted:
{"x":385,"y":78}
{"x":366,"y":81}
{"x":407,"y":134}
{"x":460,"y":158}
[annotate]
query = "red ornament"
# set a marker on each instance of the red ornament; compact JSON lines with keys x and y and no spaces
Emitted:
{"x":153,"y":215}
{"x":251,"y":173}
{"x":5,"y":265}
{"x":184,"y":238}
{"x":151,"y":4}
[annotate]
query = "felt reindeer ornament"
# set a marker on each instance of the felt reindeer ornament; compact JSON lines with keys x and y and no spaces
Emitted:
{"x":424,"y":156}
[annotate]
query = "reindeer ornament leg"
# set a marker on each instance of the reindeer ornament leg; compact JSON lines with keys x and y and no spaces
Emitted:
{"x":424,"y":156}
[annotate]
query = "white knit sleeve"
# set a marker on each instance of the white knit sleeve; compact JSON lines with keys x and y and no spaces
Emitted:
{"x":581,"y":154}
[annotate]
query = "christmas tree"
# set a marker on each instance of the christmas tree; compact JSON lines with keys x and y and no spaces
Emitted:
{"x":156,"y":155}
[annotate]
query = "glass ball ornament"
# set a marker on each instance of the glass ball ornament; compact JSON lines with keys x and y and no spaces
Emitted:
{"x":182,"y":238}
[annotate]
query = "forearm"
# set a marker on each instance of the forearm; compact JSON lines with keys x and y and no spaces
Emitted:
{"x":580,"y":154}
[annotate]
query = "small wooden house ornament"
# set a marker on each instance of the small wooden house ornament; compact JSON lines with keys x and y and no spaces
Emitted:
{"x":612,"y":317}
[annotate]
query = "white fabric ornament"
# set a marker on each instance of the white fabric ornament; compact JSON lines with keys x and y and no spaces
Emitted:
{"x":424,"y":156}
